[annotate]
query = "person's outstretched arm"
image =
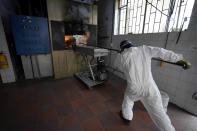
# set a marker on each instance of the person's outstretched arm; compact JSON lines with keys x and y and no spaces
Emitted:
{"x":167,"y":55}
{"x":164,"y":54}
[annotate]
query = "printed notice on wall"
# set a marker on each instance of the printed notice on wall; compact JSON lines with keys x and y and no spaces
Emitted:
{"x":31,"y":35}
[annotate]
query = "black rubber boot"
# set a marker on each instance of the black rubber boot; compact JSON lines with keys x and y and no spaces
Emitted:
{"x":124,"y":120}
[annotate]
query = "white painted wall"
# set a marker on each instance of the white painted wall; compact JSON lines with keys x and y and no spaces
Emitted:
{"x":7,"y":75}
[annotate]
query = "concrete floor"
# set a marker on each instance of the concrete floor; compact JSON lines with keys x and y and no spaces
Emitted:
{"x":67,"y":105}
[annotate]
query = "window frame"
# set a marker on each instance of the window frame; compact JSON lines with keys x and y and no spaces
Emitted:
{"x":166,"y":15}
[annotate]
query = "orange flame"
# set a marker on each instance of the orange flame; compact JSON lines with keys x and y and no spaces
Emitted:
{"x":68,"y":37}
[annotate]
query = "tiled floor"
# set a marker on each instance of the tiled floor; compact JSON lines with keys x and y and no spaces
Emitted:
{"x":67,"y":105}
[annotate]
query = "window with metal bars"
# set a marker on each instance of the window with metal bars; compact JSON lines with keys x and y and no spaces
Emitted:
{"x":152,"y":16}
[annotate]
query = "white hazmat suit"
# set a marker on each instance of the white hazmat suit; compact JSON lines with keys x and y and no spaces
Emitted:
{"x":135,"y":62}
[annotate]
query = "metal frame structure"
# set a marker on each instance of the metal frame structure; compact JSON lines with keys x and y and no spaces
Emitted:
{"x":88,"y":77}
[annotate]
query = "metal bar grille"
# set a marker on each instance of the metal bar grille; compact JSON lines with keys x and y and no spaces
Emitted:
{"x":152,"y":16}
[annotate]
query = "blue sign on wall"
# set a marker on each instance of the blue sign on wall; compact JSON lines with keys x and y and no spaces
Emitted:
{"x":31,"y":35}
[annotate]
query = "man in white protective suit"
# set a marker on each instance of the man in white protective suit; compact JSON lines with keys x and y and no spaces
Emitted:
{"x":135,"y":62}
